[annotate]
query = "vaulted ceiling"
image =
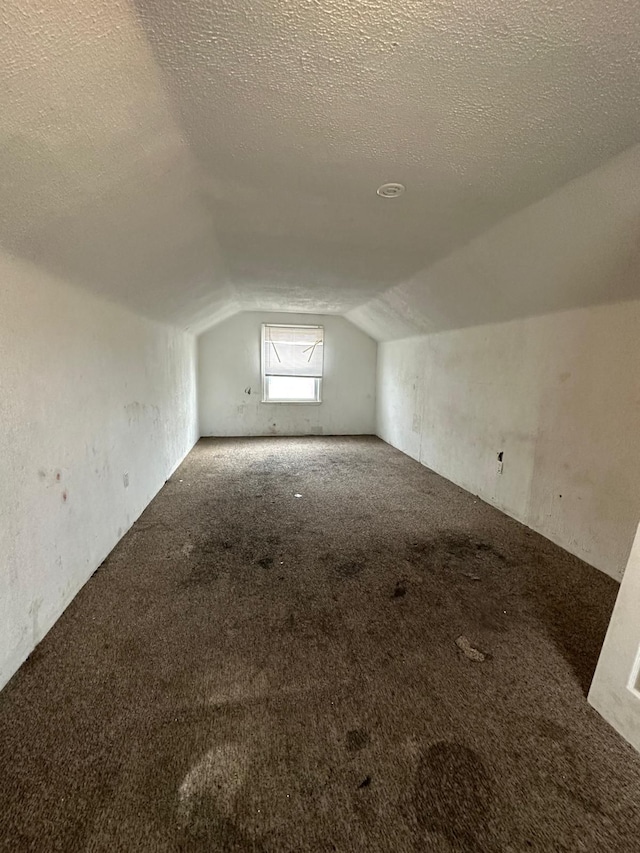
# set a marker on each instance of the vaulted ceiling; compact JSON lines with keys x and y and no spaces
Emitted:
{"x":195,"y":158}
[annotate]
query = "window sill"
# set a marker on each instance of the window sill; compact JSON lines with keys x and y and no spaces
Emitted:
{"x":293,"y":402}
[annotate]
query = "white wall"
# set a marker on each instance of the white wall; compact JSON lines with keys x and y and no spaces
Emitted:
{"x":229,"y":364}
{"x":90,"y":392}
{"x":615,"y":690}
{"x":559,"y":394}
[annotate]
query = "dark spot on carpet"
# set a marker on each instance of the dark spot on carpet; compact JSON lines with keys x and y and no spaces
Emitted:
{"x":357,"y":739}
{"x":400,"y":591}
{"x":551,"y":730}
{"x":453,"y":795}
{"x":210,"y":830}
{"x":265,"y":562}
{"x":457,"y":551}
{"x":214,"y":548}
{"x":206,"y":560}
{"x":365,"y":782}
{"x":349,"y":568}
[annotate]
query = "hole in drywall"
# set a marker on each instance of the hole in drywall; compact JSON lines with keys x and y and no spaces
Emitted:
{"x":500,"y":455}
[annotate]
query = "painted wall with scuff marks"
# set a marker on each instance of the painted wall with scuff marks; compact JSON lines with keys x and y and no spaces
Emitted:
{"x":230,"y":382}
{"x":97,"y":408}
{"x":559,"y":395}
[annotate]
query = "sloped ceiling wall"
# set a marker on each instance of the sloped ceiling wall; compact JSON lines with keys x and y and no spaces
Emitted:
{"x":578,"y":247}
{"x":195,"y":159}
{"x":99,"y":185}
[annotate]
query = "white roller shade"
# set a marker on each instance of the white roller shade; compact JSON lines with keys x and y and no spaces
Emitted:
{"x":293,"y":350}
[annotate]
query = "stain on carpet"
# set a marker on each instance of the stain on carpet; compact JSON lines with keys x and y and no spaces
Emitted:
{"x":350,"y":568}
{"x":267,"y":689}
{"x":456,"y":552}
{"x":452,"y":796}
{"x":357,"y":739}
{"x":400,"y":590}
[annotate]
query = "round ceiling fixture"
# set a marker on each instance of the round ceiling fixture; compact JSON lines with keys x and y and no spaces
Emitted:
{"x":390,"y":190}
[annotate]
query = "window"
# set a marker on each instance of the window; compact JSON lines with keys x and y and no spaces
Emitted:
{"x":292,"y":363}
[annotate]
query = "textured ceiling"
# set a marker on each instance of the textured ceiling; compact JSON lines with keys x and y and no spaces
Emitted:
{"x":195,"y":158}
{"x":579,"y":246}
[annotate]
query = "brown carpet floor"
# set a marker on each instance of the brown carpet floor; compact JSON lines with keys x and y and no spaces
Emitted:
{"x":268,"y":662}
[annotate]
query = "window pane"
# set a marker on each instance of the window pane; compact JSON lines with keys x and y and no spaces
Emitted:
{"x":293,"y":350}
{"x":291,"y":388}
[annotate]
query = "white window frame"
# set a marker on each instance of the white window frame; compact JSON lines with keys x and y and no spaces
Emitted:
{"x":318,"y":380}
